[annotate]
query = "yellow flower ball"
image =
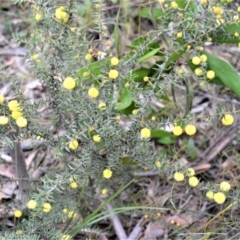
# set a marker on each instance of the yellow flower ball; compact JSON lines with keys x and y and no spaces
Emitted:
{"x":158,"y":164}
{"x":118,"y":118}
{"x":219,"y":197}
{"x":38,"y":17}
{"x":209,"y":194}
{"x":178,"y":176}
{"x":135,"y":112}
{"x":32,"y":204}
{"x":102,"y":105}
{"x":174,"y":5}
{"x":198,"y":72}
{"x":180,"y":71}
{"x":73,"y":185}
{"x":4,"y":120}
{"x":17,"y":213}
{"x":13,"y":105}
{"x":238,"y":9}
{"x":72,"y":29}
{"x":61,"y":15}
{"x":193,"y":181}
{"x":203,"y":58}
{"x":153,"y":118}
{"x":72,"y":214}
{"x":196,"y":60}
{"x":47,"y":207}
{"x":86,"y":74}
{"x":113,"y":74}
{"x":179,"y":35}
{"x":96,"y":138}
{"x":210,"y":74}
{"x":35,"y":57}
{"x":217,"y":10}
{"x":190,"y":172}
{"x":69,"y":83}
{"x":189,"y":47}
{"x":127,"y":85}
{"x":190,"y":129}
{"x":73,"y":144}
{"x":16,"y":114}
{"x":107,"y":173}
{"x":65,"y":210}
{"x":21,"y":122}
{"x":161,"y":1}
{"x":104,"y":191}
{"x":227,"y":119}
{"x":88,"y":57}
{"x":203,"y":2}
{"x":146,"y":79}
{"x":225,"y":186}
{"x":114,"y":61}
{"x":19,"y":232}
{"x":65,"y":237}
{"x":145,"y":133}
{"x":177,"y":130}
{"x":93,"y":92}
{"x":1,"y":98}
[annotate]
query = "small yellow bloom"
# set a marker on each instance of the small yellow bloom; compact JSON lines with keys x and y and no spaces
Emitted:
{"x":17,"y":213}
{"x":107,"y":173}
{"x":104,"y":191}
{"x":174,"y":5}
{"x":210,"y":74}
{"x":118,"y":118}
{"x":193,"y":181}
{"x":38,"y":17}
{"x":146,"y":79}
{"x":114,"y":61}
{"x":47,"y":207}
{"x":35,"y":57}
{"x":178,"y":176}
{"x":21,"y":122}
{"x":135,"y":112}
{"x":72,"y":214}
{"x":88,"y":57}
{"x":209,"y":39}
{"x":16,"y":114}
{"x":4,"y":120}
{"x":225,"y":186}
{"x":189,"y":47}
{"x":161,"y":1}
{"x":69,"y":83}
{"x":203,"y":58}
{"x":153,"y":118}
{"x":96,"y":138}
{"x":93,"y":92}
{"x":102,"y":105}
{"x":198,"y":72}
{"x":113,"y":74}
{"x":65,"y":237}
{"x":203,"y":2}
{"x":180,"y":71}
{"x":179,"y":35}
{"x":73,"y":144}
{"x":72,"y":29}
{"x":65,"y":210}
{"x":196,"y":60}
{"x":236,"y":34}
{"x":238,"y":9}
{"x":13,"y":105}
{"x":19,"y":232}
{"x":1,"y":98}
{"x":108,"y":43}
{"x":85,"y":74}
{"x":190,"y":129}
{"x":217,"y":10}
{"x":227,"y":119}
{"x":209,"y":194}
{"x":145,"y":133}
{"x":127,"y":85}
{"x":190,"y":172}
{"x":73,"y":185}
{"x":177,"y":131}
{"x":158,"y":164}
{"x":219,"y":197}
{"x":99,"y":53}
{"x":61,"y":15}
{"x":98,"y":6}
{"x":32,"y":204}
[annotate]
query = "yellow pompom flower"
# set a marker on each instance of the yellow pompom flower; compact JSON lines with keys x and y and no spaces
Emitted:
{"x":17,"y":213}
{"x":38,"y":17}
{"x":104,"y":191}
{"x":179,"y":35}
{"x":158,"y":164}
{"x":203,"y":58}
{"x":47,"y":207}
{"x":146,"y":79}
{"x":209,"y":194}
{"x":190,"y":172}
{"x":145,"y":133}
{"x":190,"y":129}
{"x":127,"y":85}
{"x":1,"y":98}
{"x":227,"y":119}
{"x":69,"y":83}
{"x":193,"y":181}
{"x":65,"y":237}
{"x":153,"y":118}
{"x":32,"y":204}
{"x":21,"y":122}
{"x":93,"y":92}
{"x":219,"y":197}
{"x":203,"y":2}
{"x":102,"y":105}
{"x":61,"y":15}
{"x":73,"y":144}
{"x":180,"y":71}
{"x":114,"y":61}
{"x":174,"y":5}
{"x":86,"y":74}
{"x":225,"y":186}
{"x":113,"y":74}
{"x":88,"y":57}
{"x":35,"y":57}
{"x":178,"y":176}
{"x":196,"y":60}
{"x":96,"y":138}
{"x":217,"y":10}
{"x":210,"y":74}
{"x":107,"y":173}
{"x":118,"y":118}
{"x":135,"y":112}
{"x":198,"y":72}
{"x":16,"y":114}
{"x":72,"y":214}
{"x":13,"y":105}
{"x":177,"y":130}
{"x":73,"y":185}
{"x":4,"y":120}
